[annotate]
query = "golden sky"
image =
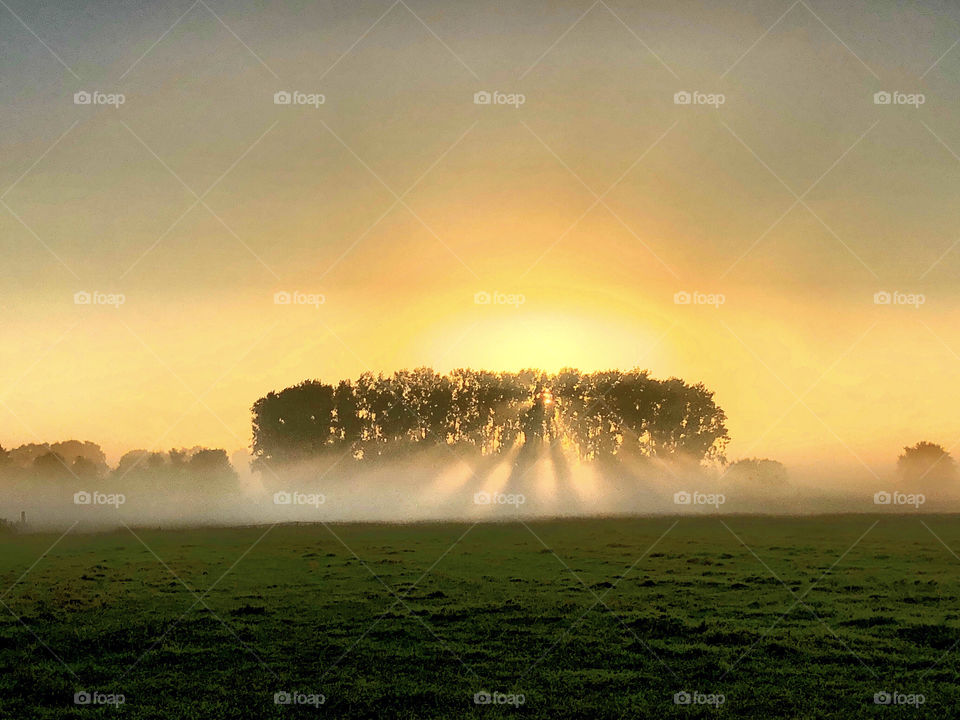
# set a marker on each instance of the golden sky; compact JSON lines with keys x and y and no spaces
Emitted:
{"x":582,"y":212}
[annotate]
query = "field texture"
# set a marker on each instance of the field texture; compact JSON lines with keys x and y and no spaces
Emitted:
{"x":833,"y":617}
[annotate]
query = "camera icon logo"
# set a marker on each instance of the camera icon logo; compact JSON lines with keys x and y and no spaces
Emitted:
{"x":82,"y":298}
{"x":82,"y":698}
{"x":82,"y":498}
{"x":882,"y":298}
{"x":482,"y":97}
{"x":282,"y":298}
{"x":882,"y":98}
{"x":282,"y":698}
{"x":481,"y":498}
{"x":682,"y":298}
{"x":682,"y":98}
{"x":882,"y":698}
{"x":282,"y":498}
{"x":482,"y":698}
{"x":482,"y":298}
{"x":682,"y":498}
{"x":82,"y":98}
{"x":882,"y":498}
{"x":282,"y":97}
{"x":682,"y":698}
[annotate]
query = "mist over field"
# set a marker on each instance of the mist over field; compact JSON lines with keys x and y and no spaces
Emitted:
{"x":436,"y":485}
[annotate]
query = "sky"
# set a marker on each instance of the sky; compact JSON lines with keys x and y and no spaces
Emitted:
{"x":785,"y":203}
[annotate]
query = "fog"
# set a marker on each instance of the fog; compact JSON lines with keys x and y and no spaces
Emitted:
{"x":438,"y":485}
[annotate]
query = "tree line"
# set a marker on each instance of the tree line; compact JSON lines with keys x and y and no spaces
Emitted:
{"x":85,"y":461}
{"x":597,"y":415}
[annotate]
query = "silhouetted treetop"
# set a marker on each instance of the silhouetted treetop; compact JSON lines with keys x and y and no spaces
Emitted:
{"x":69,"y":452}
{"x":758,"y":471}
{"x":926,"y":461}
{"x":74,"y":462}
{"x":186,"y":466}
{"x":595,"y":414}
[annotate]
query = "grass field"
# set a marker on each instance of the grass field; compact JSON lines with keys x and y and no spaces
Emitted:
{"x":600,"y":618}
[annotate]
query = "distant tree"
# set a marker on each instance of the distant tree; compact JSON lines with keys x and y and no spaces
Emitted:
{"x":132,"y":462}
{"x":7,"y":469}
{"x":85,"y":469}
{"x":73,"y":449}
{"x":182,"y":471}
{"x":178,"y":459}
{"x":758,"y":471}
{"x":156,"y":461}
{"x":211,"y":466}
{"x":51,"y":466}
{"x":926,"y":461}
{"x":11,"y":472}
{"x":26,"y":456}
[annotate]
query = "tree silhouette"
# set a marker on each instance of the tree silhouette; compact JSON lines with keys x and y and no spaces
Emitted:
{"x":596,"y":415}
{"x":926,"y":461}
{"x":186,"y":469}
{"x":73,"y":450}
{"x":85,"y":469}
{"x":51,"y":466}
{"x":758,"y":471}
{"x":196,"y":468}
{"x":27,"y":457}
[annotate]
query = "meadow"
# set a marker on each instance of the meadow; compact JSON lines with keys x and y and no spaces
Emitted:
{"x":738,"y":616}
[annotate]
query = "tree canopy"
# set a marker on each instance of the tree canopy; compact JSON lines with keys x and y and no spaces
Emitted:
{"x":73,"y":460}
{"x":758,"y":471}
{"x":926,"y":461}
{"x":595,"y":414}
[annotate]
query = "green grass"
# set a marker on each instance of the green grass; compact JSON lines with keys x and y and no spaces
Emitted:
{"x":295,"y":609}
